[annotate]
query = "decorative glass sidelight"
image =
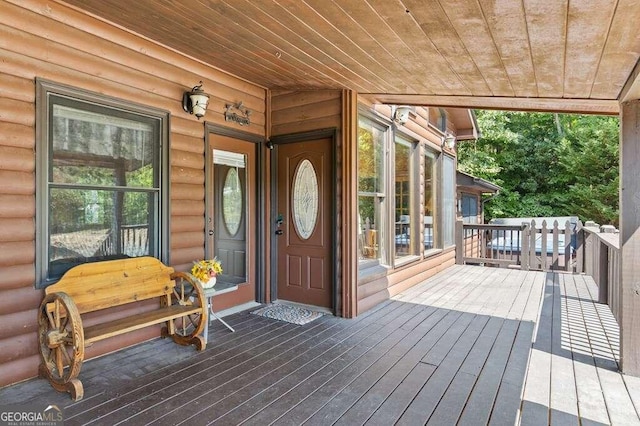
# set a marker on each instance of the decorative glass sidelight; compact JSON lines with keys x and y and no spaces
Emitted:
{"x":230,"y":210}
{"x":305,"y":199}
{"x":232,"y":201}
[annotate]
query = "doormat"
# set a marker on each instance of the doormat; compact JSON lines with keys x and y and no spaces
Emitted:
{"x":293,"y":314}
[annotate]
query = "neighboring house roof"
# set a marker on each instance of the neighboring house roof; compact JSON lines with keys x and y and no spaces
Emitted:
{"x":476,"y":183}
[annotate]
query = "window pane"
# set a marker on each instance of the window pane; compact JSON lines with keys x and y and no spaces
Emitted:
{"x":92,"y":148}
{"x":448,"y":201}
{"x":369,"y":213}
{"x":232,"y":201}
{"x":305,"y":199}
{"x":371,"y":144}
{"x":469,"y":208}
{"x":370,"y":158}
{"x":402,"y":199}
{"x":91,"y":225}
{"x":429,"y":211}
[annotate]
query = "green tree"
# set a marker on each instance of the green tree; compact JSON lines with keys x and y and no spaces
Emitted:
{"x":548,"y":164}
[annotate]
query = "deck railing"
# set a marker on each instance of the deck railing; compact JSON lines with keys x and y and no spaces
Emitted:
{"x":133,"y":240}
{"x":602,"y":262}
{"x":589,"y":249}
{"x":529,"y":246}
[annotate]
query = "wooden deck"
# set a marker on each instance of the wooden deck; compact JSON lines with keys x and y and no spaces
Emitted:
{"x":470,"y":346}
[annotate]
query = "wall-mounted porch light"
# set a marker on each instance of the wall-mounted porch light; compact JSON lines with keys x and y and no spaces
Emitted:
{"x":195,"y":101}
{"x":401,"y":114}
{"x":448,"y":141}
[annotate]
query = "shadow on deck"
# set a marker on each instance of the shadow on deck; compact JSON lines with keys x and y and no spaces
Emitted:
{"x":471,"y":345}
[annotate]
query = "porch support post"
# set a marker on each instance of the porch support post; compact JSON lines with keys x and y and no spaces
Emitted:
{"x":630,"y":236}
{"x":348,"y":216}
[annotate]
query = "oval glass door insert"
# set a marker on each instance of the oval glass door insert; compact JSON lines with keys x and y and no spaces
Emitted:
{"x":304,"y":203}
{"x":232,"y":201}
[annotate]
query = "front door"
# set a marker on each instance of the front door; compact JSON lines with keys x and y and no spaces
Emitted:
{"x":304,"y":221}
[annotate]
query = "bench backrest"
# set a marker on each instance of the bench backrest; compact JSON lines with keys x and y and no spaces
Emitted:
{"x":99,"y":285}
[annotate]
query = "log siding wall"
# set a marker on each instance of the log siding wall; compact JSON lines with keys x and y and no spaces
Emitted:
{"x":46,"y":39}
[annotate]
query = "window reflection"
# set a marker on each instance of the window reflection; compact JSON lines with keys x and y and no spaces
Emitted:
{"x":371,"y":195}
{"x":429,"y":209}
{"x":103,"y":185}
{"x":403,"y":197}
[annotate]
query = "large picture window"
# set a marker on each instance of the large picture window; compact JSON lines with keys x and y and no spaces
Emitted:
{"x":371,"y":191}
{"x":101,"y":191}
{"x":448,"y":200}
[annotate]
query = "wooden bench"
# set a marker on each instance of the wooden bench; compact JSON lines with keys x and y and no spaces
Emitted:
{"x":92,"y":287}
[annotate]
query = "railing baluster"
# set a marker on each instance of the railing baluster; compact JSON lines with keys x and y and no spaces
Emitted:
{"x":567,"y":246}
{"x":579,"y":248}
{"x":524,"y":251}
{"x":554,"y":264}
{"x":543,"y":246}
{"x":533,"y":259}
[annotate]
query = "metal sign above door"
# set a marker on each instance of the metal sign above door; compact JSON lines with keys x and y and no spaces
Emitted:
{"x":237,"y":113}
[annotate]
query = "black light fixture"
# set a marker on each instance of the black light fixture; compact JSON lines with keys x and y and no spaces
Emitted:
{"x":195,"y":101}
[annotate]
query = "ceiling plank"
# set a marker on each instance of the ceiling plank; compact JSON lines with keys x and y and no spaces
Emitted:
{"x":363,"y":46}
{"x":589,"y":23}
{"x":435,"y":25}
{"x":250,"y":39}
{"x":508,"y":26}
{"x":621,"y":51}
{"x":468,"y":22}
{"x":158,"y":23}
{"x":547,"y":28}
{"x":294,"y":39}
{"x":319,"y":34}
{"x":578,"y":106}
{"x":215,"y":46}
{"x":409,"y":44}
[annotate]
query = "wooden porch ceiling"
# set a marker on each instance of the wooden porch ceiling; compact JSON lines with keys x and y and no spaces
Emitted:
{"x":501,"y":54}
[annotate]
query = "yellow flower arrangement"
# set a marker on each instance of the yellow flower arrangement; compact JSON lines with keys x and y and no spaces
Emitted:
{"x":206,"y":268}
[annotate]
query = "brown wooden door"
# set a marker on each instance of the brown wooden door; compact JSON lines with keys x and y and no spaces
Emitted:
{"x":304,"y":238}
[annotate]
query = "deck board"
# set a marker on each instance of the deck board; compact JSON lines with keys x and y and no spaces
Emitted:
{"x":469,"y":346}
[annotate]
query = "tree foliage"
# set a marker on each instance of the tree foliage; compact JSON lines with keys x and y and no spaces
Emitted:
{"x":547,"y":164}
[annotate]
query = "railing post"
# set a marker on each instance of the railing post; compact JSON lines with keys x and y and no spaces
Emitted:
{"x":579,"y":249}
{"x":603,"y":272}
{"x":533,"y":231}
{"x":459,"y":242}
{"x":555,"y":262}
{"x":543,"y":245}
{"x":524,"y":249}
{"x":567,"y":246}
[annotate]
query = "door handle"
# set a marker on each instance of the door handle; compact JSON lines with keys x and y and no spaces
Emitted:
{"x":210,"y":231}
{"x":279,"y":232}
